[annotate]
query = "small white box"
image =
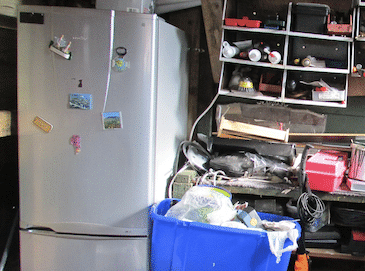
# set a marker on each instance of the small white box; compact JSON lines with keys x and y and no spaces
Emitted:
{"x":328,"y":96}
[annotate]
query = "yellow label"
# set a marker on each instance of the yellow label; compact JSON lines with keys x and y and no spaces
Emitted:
{"x":245,"y":84}
{"x":42,"y":124}
{"x":253,"y":221}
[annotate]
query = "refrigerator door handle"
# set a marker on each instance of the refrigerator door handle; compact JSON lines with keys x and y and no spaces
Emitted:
{"x":32,"y":229}
{"x":78,"y":228}
{"x":51,"y":233}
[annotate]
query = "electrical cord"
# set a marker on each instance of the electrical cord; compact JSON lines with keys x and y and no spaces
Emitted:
{"x":310,"y":208}
{"x":212,"y":176}
{"x":169,"y":195}
{"x":187,"y":164}
{"x":201,"y":116}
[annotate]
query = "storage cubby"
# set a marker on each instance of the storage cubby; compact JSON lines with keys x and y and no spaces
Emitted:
{"x":303,"y":45}
{"x":268,"y":81}
{"x":298,"y":87}
{"x":358,"y":56}
{"x":328,"y":54}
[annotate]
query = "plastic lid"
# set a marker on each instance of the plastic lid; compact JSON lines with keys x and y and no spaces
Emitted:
{"x":312,"y":9}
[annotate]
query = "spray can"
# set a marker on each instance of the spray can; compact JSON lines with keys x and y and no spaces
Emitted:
{"x":255,"y":55}
{"x":229,"y":51}
{"x":275,"y":57}
{"x":262,"y":53}
{"x":306,"y":62}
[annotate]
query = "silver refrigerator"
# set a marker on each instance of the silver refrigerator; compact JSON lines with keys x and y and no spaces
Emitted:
{"x":102,"y":109}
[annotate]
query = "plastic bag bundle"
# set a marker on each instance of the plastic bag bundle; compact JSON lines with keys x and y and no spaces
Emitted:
{"x":251,"y":164}
{"x":207,"y":204}
{"x":277,"y":234}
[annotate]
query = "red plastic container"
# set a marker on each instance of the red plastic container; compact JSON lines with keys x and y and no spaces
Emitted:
{"x":339,"y":29}
{"x":326,"y":170}
{"x":245,"y":21}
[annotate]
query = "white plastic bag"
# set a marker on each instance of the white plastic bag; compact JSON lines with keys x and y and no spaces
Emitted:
{"x":205,"y":204}
{"x":282,"y":230}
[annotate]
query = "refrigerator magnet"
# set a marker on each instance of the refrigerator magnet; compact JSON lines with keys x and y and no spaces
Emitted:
{"x":76,"y":142}
{"x":61,"y":47}
{"x":118,"y":63}
{"x":81,"y":101}
{"x":112,"y":120}
{"x":42,"y":124}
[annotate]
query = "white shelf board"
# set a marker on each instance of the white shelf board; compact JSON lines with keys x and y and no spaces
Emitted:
{"x":255,"y":30}
{"x":320,"y":36}
{"x":251,"y":63}
{"x":243,"y":95}
{"x":313,"y":69}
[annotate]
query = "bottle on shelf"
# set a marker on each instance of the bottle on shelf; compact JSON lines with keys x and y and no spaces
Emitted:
{"x":255,"y":55}
{"x":245,"y":46}
{"x":274,"y":57}
{"x":310,"y":61}
{"x":229,"y":51}
{"x":262,"y":52}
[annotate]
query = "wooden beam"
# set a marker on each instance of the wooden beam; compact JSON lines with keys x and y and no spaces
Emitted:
{"x":212,"y":15}
{"x":246,"y":130}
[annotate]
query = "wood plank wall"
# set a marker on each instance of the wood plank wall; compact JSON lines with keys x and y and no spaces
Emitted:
{"x":202,"y":87}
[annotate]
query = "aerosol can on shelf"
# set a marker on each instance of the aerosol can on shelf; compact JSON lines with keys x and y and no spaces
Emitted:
{"x":262,"y":52}
{"x":229,"y":51}
{"x":274,"y":57}
{"x":255,"y":55}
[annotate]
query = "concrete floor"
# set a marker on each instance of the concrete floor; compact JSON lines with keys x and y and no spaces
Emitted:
{"x":317,"y":265}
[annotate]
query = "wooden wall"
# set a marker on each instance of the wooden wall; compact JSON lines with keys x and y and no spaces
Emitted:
{"x":202,"y":87}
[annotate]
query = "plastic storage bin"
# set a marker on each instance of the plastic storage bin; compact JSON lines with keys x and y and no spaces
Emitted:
{"x":186,"y":246}
{"x":326,"y":170}
{"x":310,"y":17}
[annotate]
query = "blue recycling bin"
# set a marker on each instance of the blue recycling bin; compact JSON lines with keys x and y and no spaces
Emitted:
{"x":186,"y":246}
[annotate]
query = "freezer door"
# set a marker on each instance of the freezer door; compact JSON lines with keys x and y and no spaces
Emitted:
{"x":47,"y":252}
{"x":79,"y":177}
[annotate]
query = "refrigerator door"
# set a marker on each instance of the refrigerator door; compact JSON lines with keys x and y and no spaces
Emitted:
{"x":47,"y":252}
{"x":104,"y":185}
